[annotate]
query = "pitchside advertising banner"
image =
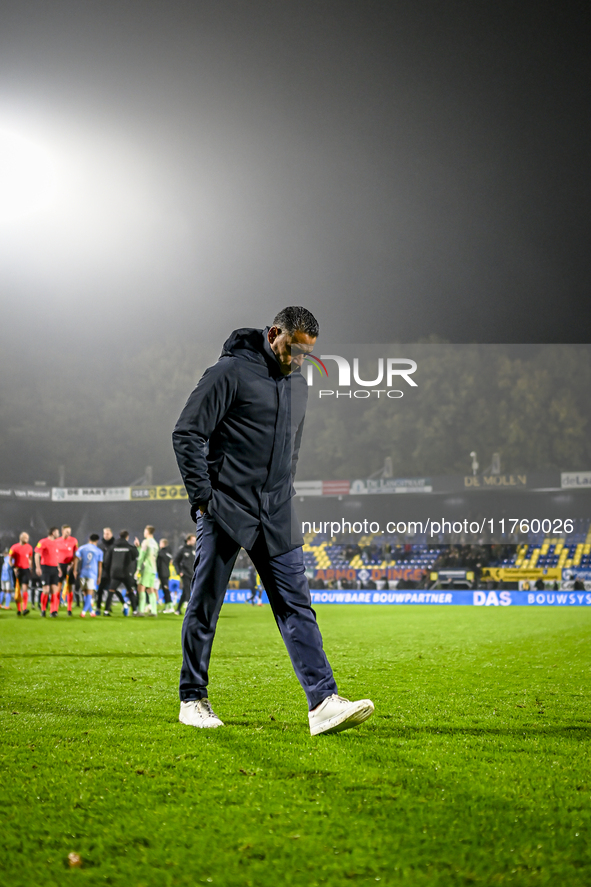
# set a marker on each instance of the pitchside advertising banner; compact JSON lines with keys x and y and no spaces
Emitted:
{"x":163,"y":493}
{"x":533,"y":481}
{"x":449,"y":598}
{"x":90,"y":494}
{"x":548,"y":481}
{"x":445,"y":443}
{"x":575,"y":480}
{"x":26,"y":494}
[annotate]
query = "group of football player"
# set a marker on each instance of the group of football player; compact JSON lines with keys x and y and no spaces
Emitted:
{"x":60,"y":573}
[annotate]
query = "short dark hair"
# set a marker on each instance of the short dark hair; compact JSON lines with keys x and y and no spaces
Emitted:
{"x":151,"y":530}
{"x":53,"y":530}
{"x":124,"y":534}
{"x":94,"y":537}
{"x":295,"y":318}
{"x":189,"y":536}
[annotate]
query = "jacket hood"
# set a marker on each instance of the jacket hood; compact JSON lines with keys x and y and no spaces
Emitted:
{"x":251,"y":344}
{"x":246,"y":342}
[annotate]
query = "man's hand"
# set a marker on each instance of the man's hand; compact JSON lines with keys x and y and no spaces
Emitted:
{"x":38,"y":571}
{"x":196,"y":510}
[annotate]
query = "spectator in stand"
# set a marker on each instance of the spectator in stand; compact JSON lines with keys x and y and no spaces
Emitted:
{"x":425,"y":580}
{"x":477,"y":574}
{"x":163,"y":562}
{"x":21,"y":558}
{"x":184,"y":561}
{"x":106,"y":546}
{"x":68,"y":546}
{"x":7,"y":582}
{"x":47,"y":559}
{"x":123,"y":566}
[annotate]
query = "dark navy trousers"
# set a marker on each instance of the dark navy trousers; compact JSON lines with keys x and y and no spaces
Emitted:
{"x":287,"y":587}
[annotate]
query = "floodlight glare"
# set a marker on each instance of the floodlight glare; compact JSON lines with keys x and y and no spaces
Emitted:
{"x":27,"y":177}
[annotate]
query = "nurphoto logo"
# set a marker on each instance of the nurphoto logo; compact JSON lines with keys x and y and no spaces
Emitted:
{"x":387,"y":370}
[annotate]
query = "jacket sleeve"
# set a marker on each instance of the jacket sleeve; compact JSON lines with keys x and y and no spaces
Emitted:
{"x":206,"y":407}
{"x":296,"y":449}
{"x":299,"y":401}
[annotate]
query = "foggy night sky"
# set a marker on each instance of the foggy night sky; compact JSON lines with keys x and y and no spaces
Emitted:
{"x":401,"y":169}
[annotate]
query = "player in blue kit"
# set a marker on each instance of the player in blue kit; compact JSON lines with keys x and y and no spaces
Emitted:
{"x":7,"y":580}
{"x":88,"y":566}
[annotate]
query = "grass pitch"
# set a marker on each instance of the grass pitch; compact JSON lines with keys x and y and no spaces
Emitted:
{"x":475,"y":768}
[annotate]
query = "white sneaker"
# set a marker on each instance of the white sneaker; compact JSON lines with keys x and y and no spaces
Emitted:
{"x":169,"y":610}
{"x":199,"y":713}
{"x":336,"y":714}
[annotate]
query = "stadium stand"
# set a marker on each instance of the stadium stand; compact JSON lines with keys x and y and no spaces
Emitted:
{"x":322,"y":553}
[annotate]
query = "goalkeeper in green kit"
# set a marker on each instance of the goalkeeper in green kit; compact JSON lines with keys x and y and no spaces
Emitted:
{"x":147,"y":570}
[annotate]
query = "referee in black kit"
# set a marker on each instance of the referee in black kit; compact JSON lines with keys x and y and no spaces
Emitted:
{"x":236,"y":443}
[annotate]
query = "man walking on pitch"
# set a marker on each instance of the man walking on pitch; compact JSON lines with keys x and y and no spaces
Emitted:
{"x":7,"y":582}
{"x":184,"y":564}
{"x":163,"y":562}
{"x":147,"y":567}
{"x":47,"y":559}
{"x":90,"y":556}
{"x":123,"y":561}
{"x":237,"y":442}
{"x":106,"y":546}
{"x":21,"y":558}
{"x":68,"y":545}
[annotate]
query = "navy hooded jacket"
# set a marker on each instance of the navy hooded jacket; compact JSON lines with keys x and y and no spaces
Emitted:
{"x":237,"y":442}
